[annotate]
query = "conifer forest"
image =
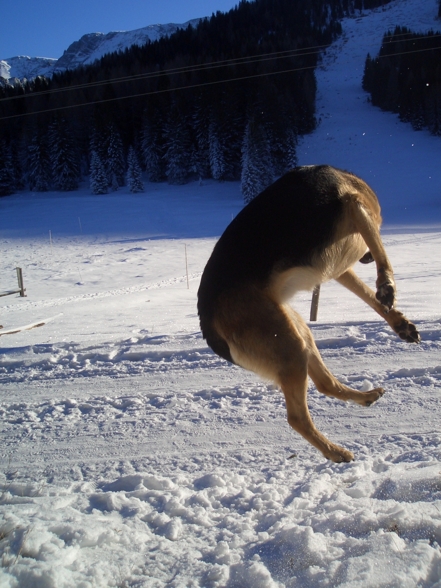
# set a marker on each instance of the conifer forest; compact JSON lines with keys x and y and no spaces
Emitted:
{"x":225,"y":100}
{"x":405,"y":77}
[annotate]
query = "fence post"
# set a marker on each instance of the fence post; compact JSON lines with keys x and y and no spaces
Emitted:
{"x":315,"y":303}
{"x":186,"y":266}
{"x":20,"y":281}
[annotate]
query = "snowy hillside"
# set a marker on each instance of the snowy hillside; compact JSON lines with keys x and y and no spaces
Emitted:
{"x":26,"y":67}
{"x":86,"y":50}
{"x":131,"y":455}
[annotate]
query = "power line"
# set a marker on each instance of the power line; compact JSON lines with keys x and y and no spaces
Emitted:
{"x":407,"y":52}
{"x":138,"y":95}
{"x":248,"y":60}
{"x":259,"y":58}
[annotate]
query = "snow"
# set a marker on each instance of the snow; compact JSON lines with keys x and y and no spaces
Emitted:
{"x":23,"y":66}
{"x":131,"y":455}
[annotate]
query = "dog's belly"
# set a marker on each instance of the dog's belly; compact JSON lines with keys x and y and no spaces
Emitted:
{"x":340,"y":256}
{"x":285,"y":284}
{"x":330,"y":264}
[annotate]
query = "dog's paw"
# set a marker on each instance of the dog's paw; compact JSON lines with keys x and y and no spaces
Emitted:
{"x":407,"y":331}
{"x":339,"y":454}
{"x":372,"y":396}
{"x":386,"y":291}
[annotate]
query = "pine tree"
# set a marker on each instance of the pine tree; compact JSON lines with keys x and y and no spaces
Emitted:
{"x":98,"y":176}
{"x":215,"y":151}
{"x":7,"y":184}
{"x":115,"y":160}
{"x":98,"y":143}
{"x":134,"y":174}
{"x":257,"y":171}
{"x":201,"y":125}
{"x":178,"y":147}
{"x":225,"y":139}
{"x":231,"y":137}
{"x":152,"y":149}
{"x":291,"y":141}
{"x":39,"y":164}
{"x":18,"y":155}
{"x":63,"y":157}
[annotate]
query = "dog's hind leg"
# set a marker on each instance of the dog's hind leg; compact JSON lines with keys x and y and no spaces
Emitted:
{"x":396,"y":319}
{"x":324,"y":380}
{"x":263,"y":337}
{"x":294,"y":384}
{"x":327,"y":384}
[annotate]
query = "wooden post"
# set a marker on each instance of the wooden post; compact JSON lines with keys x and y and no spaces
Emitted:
{"x":186,"y":267}
{"x":20,"y":281}
{"x":315,"y":303}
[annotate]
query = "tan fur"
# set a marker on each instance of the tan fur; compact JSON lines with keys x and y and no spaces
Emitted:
{"x":265,"y":335}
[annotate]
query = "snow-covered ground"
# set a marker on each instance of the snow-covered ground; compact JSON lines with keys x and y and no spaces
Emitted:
{"x":131,"y":455}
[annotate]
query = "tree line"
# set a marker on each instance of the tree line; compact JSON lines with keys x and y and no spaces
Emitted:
{"x":405,"y":77}
{"x":225,"y":100}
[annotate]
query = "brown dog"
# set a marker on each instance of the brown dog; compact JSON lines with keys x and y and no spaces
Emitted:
{"x":310,"y":226}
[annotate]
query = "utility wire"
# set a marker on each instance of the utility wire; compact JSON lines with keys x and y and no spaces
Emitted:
{"x":215,"y":65}
{"x":182,"y":70}
{"x":231,"y":62}
{"x":157,"y":92}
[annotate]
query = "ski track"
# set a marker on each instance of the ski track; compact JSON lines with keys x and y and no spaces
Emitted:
{"x":144,"y":354}
{"x":26,"y":306}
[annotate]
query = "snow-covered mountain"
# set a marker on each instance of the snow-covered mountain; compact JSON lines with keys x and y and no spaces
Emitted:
{"x":86,"y":50}
{"x":26,"y":67}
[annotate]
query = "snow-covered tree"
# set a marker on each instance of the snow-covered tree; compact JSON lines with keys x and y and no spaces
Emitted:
{"x":115,"y":159}
{"x":178,"y":155}
{"x":152,"y":149}
{"x":291,"y":141}
{"x":225,"y":135}
{"x":99,"y":143}
{"x":282,"y":137}
{"x":216,"y":153}
{"x":257,"y":170}
{"x":98,"y":175}
{"x":134,"y":173}
{"x":7,"y":183}
{"x":63,"y":156}
{"x":201,"y":125}
{"x":39,"y":164}
{"x":19,"y":163}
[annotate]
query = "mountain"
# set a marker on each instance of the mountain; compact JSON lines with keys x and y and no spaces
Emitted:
{"x":86,"y":50}
{"x":26,"y":67}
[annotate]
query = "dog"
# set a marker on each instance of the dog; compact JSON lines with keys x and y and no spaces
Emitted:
{"x":312,"y":225}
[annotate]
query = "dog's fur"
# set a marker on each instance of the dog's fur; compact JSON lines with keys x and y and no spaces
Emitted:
{"x":310,"y":226}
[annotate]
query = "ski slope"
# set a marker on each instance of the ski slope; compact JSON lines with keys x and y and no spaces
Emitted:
{"x":131,"y":455}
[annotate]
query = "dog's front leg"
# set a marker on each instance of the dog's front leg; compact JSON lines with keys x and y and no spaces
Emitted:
{"x":386,"y":288}
{"x":369,"y":230}
{"x":396,"y":319}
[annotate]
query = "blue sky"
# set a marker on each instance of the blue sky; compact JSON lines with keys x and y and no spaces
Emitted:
{"x":46,"y":28}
